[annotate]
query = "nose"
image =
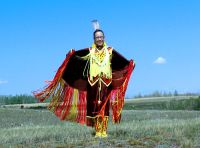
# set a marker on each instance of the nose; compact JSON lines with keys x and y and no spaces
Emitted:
{"x":99,"y":39}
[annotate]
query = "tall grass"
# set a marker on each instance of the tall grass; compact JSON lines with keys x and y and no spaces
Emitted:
{"x":149,"y":128}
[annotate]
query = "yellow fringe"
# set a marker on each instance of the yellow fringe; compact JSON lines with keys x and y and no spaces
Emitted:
{"x":73,"y":110}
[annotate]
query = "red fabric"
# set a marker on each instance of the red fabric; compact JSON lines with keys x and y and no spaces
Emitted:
{"x":81,"y":117}
{"x":117,"y":96}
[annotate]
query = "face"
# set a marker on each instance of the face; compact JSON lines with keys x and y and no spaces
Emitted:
{"x":99,"y":39}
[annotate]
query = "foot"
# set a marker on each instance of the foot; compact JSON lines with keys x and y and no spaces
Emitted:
{"x":104,"y":134}
{"x":98,"y":134}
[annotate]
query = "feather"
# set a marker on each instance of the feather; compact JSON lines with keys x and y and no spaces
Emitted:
{"x":95,"y":24}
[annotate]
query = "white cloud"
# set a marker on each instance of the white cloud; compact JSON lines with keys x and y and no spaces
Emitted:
{"x":3,"y":81}
{"x":160,"y":60}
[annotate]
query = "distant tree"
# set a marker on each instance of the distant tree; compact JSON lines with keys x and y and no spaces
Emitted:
{"x":139,"y":96}
{"x":156,"y":94}
{"x":165,"y":94}
{"x":175,"y":93}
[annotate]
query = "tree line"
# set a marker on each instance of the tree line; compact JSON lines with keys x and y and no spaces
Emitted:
{"x":17,"y":99}
{"x":165,"y":94}
{"x":25,"y":99}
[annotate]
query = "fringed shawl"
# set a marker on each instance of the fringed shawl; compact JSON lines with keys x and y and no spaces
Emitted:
{"x":68,"y":89}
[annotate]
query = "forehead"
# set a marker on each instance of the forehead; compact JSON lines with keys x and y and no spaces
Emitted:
{"x":99,"y":33}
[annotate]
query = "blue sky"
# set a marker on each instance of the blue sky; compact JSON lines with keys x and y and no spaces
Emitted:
{"x":162,"y":36}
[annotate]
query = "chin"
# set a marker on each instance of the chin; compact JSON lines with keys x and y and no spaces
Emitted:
{"x":99,"y":46}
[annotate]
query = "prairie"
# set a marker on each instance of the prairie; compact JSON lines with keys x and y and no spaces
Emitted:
{"x":138,"y":128}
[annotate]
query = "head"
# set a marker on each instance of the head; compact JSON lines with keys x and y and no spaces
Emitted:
{"x":99,"y":38}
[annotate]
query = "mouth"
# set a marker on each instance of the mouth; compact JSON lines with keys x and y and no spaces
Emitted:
{"x":100,"y":42}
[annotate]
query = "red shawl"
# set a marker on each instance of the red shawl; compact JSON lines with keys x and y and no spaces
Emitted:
{"x":68,"y":89}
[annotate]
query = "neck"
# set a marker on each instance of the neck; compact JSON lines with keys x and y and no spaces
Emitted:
{"x":100,"y":47}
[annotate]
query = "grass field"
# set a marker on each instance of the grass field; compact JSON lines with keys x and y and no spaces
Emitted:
{"x":142,"y":128}
{"x":164,"y":103}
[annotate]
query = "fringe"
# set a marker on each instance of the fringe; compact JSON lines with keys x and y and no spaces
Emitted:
{"x":67,"y":103}
{"x":116,"y":97}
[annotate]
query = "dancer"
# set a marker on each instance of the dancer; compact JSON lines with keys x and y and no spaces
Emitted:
{"x":88,"y":84}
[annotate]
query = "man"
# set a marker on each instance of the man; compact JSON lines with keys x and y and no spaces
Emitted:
{"x":88,"y":83}
{"x":99,"y":81}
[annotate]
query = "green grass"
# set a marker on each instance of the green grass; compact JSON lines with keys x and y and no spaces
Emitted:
{"x":164,"y":103}
{"x":147,"y":128}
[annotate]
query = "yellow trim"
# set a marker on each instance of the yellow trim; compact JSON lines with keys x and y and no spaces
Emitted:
{"x":95,"y":116}
{"x":99,"y":79}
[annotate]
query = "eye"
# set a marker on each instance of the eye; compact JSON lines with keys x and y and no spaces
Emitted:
{"x":99,"y":37}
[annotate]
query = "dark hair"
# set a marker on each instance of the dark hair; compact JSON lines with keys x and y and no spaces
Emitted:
{"x":97,"y":30}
